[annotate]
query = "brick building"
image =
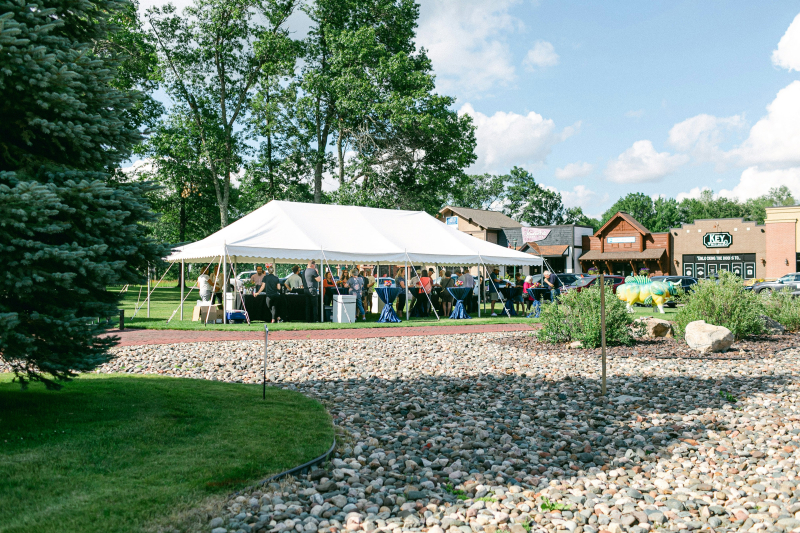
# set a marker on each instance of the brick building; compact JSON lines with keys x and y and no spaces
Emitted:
{"x":623,"y":246}
{"x":705,"y":247}
{"x":782,"y":241}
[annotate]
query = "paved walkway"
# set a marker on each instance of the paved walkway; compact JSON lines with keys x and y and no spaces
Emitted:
{"x":136,"y":337}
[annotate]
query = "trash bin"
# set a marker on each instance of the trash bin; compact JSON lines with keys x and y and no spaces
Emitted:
{"x":342,"y":302}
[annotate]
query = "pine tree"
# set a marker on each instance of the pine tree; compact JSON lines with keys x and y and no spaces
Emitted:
{"x":69,"y":225}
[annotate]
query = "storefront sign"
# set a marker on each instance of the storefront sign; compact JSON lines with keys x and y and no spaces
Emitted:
{"x":620,"y":240}
{"x":451,"y":221}
{"x":534,"y":234}
{"x":701,"y":266}
{"x":717,"y":240}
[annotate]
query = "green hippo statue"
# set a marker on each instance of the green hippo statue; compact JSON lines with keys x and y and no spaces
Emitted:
{"x":642,"y":290}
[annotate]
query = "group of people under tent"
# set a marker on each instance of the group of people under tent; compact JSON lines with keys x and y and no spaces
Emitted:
{"x":362,"y":282}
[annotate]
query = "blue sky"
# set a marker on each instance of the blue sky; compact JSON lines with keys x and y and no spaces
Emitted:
{"x":599,"y":99}
{"x":595,"y":89}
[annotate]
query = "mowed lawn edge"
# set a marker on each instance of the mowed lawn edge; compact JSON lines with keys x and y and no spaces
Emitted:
{"x":121,"y":453}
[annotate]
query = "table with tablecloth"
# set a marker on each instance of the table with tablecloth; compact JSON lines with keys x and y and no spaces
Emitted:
{"x":509,"y":293}
{"x":387,"y":295}
{"x":291,"y":307}
{"x":459,"y":294}
{"x":421,"y":304}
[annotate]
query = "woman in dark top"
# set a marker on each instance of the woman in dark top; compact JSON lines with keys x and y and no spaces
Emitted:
{"x":271,"y":287}
{"x":446,"y":297}
{"x":329,"y":286}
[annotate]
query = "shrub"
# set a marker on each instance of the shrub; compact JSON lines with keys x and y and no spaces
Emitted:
{"x":782,"y":307}
{"x":722,"y":302}
{"x":577,"y":318}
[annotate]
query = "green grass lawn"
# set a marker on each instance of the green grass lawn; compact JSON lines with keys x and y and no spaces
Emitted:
{"x":122,"y":453}
{"x":166,"y":299}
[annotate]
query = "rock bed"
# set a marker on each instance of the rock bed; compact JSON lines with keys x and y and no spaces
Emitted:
{"x":487,"y":432}
{"x":755,"y":347}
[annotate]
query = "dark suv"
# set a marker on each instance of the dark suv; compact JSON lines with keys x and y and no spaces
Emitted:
{"x":789,"y":281}
{"x":684,"y":282}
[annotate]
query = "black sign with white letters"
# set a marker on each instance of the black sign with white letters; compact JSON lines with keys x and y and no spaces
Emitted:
{"x":717,"y":240}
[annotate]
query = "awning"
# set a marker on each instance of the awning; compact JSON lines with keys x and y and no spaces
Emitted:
{"x":652,"y":254}
{"x":552,"y":250}
{"x":295,"y":232}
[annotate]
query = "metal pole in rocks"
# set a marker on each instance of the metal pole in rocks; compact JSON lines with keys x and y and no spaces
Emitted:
{"x":603,"y":329}
{"x":264,"y":372}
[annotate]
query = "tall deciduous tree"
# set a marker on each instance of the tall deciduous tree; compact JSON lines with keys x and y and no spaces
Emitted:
{"x":67,"y":228}
{"x":369,"y":91}
{"x":529,"y":202}
{"x":214,"y":54}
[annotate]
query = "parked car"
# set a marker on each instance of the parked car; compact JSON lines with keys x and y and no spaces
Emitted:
{"x":381,"y":282}
{"x":588,"y":281}
{"x":684,"y":282}
{"x":789,"y":281}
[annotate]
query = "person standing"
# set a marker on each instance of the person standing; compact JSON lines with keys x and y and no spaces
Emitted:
{"x":553,"y":283}
{"x":271,"y":287}
{"x":494,"y":280}
{"x":400,"y":283}
{"x":258,"y":277}
{"x":447,"y":299}
{"x":329,"y":286}
{"x":311,"y":279}
{"x":519,"y":283}
{"x":365,"y":291}
{"x":294,"y":281}
{"x":468,"y":281}
{"x":204,"y":286}
{"x":356,"y":283}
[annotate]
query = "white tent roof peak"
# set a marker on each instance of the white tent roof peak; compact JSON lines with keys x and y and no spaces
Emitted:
{"x":293,"y":232}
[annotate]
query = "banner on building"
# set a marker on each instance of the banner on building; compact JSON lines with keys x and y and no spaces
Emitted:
{"x":534,"y":234}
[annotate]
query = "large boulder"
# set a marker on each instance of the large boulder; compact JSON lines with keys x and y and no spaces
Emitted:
{"x":707,"y":337}
{"x":655,"y":327}
{"x":772,"y":327}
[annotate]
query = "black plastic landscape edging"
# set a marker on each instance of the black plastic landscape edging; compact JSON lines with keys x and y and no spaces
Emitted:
{"x":298,"y":469}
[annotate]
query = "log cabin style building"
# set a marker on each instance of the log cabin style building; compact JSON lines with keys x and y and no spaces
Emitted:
{"x":623,"y":246}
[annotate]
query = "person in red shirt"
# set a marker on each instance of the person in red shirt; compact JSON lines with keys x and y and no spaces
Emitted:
{"x":426,"y":284}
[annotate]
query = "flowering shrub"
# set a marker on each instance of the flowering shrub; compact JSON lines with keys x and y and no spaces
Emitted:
{"x":644,"y":271}
{"x":594,"y":271}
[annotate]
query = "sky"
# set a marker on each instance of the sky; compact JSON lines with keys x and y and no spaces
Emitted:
{"x":599,"y":99}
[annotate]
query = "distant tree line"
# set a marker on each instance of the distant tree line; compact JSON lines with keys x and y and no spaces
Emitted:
{"x":519,"y":196}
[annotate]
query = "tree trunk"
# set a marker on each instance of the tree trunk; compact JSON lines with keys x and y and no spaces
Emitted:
{"x":341,"y":155}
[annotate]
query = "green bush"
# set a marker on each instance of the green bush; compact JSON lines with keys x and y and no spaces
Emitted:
{"x":782,"y":307}
{"x":577,"y":318}
{"x":722,"y":302}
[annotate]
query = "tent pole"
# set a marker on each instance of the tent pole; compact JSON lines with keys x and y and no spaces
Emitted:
{"x":224,"y":283}
{"x":480,"y":289}
{"x":321,"y":292}
{"x":180,"y":278}
{"x":408,"y":304}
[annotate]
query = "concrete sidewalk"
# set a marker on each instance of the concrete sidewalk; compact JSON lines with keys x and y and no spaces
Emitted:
{"x":135,"y":337}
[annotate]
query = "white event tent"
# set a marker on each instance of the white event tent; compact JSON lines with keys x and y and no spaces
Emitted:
{"x":293,"y":232}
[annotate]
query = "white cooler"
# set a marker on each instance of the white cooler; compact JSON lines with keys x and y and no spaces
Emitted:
{"x":342,"y":302}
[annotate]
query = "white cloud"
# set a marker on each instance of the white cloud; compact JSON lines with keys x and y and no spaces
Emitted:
{"x":641,"y":163}
{"x":574,"y":170}
{"x":543,"y":54}
{"x":694,"y":193}
{"x":508,"y":139}
{"x":639,"y":113}
{"x":582,"y":197}
{"x":755,"y":182}
{"x":775,"y":139}
{"x":787,"y":55}
{"x":467,"y":43}
{"x":702,"y":134}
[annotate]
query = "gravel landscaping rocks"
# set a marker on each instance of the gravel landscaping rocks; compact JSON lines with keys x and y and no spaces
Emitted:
{"x":489,"y":432}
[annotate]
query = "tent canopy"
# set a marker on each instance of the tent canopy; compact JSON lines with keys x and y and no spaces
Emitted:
{"x":294,"y":232}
